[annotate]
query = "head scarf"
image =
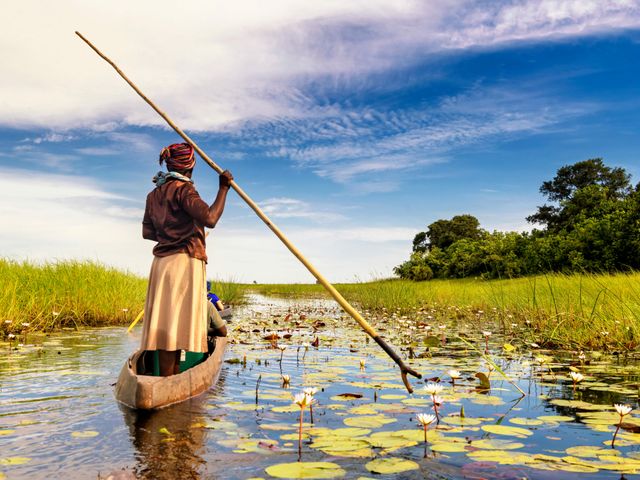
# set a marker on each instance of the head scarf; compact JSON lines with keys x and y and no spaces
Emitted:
{"x":178,"y":156}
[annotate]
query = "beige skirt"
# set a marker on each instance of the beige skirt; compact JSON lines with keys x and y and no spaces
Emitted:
{"x":175,"y":314}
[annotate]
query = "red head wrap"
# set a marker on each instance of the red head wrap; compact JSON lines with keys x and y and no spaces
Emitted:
{"x":178,"y":156}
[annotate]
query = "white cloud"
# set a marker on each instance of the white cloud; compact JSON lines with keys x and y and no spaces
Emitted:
{"x":284,"y":207}
{"x":71,"y":217}
{"x":60,"y":216}
{"x":225,"y":62}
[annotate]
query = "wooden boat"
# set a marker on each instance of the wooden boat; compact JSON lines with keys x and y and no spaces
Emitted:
{"x":148,"y":392}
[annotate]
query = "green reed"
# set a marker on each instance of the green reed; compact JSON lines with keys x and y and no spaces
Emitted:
{"x":66,"y":294}
{"x":229,"y":291}
{"x":555,"y":310}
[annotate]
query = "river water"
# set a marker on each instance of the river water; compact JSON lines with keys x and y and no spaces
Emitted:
{"x":59,"y":418}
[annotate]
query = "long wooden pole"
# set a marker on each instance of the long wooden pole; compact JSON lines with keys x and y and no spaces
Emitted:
{"x":404,"y":369}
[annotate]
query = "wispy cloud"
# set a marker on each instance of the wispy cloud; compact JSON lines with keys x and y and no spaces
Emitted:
{"x":348,"y":143}
{"x":248,"y":62}
{"x":284,"y":207}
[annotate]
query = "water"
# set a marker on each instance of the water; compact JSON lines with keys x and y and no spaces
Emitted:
{"x":59,"y":419}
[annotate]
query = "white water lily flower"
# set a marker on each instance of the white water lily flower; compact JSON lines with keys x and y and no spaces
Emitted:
{"x":454,"y":374}
{"x":486,"y":334}
{"x":437,"y":399}
{"x":310,"y":391}
{"x":534,"y":345}
{"x":301,"y":399}
{"x":125,"y":310}
{"x":8,"y":322}
{"x":11,"y":336}
{"x":425,"y":418}
{"x":282,"y":347}
{"x":433,"y":388}
{"x":55,"y":314}
{"x":25,"y":324}
{"x":576,"y":377}
{"x":622,"y":409}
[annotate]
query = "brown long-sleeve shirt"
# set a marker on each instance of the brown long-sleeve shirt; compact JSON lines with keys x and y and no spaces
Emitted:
{"x":175,"y":216}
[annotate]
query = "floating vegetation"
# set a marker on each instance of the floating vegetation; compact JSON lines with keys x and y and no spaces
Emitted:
{"x":360,"y":422}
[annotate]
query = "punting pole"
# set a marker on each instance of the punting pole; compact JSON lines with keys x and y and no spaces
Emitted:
{"x":404,"y":369}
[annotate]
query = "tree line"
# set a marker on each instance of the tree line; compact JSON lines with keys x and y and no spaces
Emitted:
{"x":591,"y":223}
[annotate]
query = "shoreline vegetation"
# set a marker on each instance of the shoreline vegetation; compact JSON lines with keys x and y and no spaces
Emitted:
{"x":576,"y":311}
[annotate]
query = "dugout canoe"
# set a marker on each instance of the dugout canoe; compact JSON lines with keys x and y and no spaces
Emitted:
{"x":147,"y":392}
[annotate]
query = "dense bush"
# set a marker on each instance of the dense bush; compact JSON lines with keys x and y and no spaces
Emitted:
{"x":592,"y":225}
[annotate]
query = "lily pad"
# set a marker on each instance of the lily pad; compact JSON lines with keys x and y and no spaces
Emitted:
{"x":369,"y":421}
{"x":507,"y":430}
{"x":14,"y":460}
{"x":306,"y":470}
{"x":391,"y":465}
{"x":526,"y":421}
{"x":85,"y":434}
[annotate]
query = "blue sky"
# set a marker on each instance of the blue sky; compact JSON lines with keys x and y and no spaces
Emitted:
{"x":353,"y":126}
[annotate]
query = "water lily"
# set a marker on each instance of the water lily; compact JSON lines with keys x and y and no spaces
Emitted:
{"x":432,"y":388}
{"x":306,"y":346}
{"x":486,"y":335}
{"x":55,"y":314}
{"x":425,"y":419}
{"x":282,"y":349}
{"x":125,"y":310}
{"x":454,"y":374}
{"x":363,"y":363}
{"x":302,"y":400}
{"x":25,"y":324}
{"x":286,"y":379}
{"x":576,"y":377}
{"x":310,"y":392}
{"x":11,"y":336}
{"x":623,"y":410}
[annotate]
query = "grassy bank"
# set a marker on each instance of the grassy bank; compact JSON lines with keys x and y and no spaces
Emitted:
{"x":67,"y":294}
{"x":75,"y":294}
{"x":576,"y":311}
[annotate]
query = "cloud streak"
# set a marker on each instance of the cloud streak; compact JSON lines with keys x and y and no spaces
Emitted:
{"x":243,"y":65}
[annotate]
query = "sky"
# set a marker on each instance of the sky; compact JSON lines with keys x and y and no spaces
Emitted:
{"x":353,"y":125}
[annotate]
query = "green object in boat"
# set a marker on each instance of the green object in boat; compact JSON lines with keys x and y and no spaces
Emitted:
{"x":187,"y":360}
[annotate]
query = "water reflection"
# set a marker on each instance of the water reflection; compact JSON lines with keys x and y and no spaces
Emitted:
{"x":169,"y":443}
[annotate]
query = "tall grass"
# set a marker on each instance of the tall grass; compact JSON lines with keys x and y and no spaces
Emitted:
{"x":66,"y":293}
{"x":229,"y":291}
{"x":578,"y":310}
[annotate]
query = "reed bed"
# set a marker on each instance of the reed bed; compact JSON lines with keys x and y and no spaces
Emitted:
{"x":556,"y":310}
{"x":50,"y":296}
{"x":66,"y":294}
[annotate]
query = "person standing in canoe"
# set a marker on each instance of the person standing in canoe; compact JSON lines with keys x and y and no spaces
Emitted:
{"x":175,"y":315}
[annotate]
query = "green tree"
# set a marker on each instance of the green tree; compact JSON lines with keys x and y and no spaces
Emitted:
{"x":614,"y":183}
{"x":443,"y":233}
